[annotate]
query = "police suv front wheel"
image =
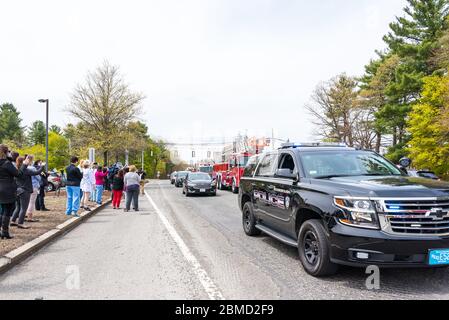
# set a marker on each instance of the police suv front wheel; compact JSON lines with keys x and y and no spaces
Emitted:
{"x":314,"y":249}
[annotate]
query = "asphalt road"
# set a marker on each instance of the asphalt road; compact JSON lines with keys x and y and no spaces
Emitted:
{"x":191,"y":248}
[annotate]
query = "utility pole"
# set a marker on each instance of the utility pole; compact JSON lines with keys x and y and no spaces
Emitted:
{"x":92,"y":155}
{"x":46,"y":101}
{"x":126,"y":157}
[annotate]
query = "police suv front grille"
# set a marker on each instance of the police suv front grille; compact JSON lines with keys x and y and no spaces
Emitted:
{"x":416,"y":217}
{"x":424,"y":205}
{"x":419,"y":226}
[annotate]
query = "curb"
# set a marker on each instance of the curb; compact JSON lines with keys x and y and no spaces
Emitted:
{"x":16,"y":256}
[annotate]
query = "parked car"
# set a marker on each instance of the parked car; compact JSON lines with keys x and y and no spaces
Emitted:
{"x":180,"y":176}
{"x":173,"y":177}
{"x":55,"y":182}
{"x":423,"y":174}
{"x":199,"y":183}
{"x":342,"y":206}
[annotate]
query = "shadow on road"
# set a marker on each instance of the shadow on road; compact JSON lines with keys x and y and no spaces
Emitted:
{"x":402,"y":282}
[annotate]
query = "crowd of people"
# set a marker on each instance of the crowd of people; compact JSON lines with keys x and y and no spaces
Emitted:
{"x":22,"y":189}
{"x":23,"y":183}
{"x":86,"y":183}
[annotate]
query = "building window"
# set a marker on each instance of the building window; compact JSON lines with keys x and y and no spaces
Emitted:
{"x":209,"y":154}
{"x":193,"y":154}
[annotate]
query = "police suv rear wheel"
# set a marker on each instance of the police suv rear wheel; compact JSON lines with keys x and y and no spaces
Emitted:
{"x":314,"y":249}
{"x":249,"y":221}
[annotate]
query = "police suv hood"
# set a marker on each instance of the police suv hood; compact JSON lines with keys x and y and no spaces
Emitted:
{"x":385,"y":186}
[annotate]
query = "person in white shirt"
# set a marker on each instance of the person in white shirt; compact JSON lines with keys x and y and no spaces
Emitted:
{"x":86,"y":184}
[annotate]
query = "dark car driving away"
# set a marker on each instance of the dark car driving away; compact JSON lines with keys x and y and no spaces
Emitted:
{"x":339,"y":205}
{"x":199,"y":183}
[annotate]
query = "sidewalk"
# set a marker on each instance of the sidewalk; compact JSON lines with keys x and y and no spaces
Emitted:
{"x":113,"y":255}
{"x":48,"y":220}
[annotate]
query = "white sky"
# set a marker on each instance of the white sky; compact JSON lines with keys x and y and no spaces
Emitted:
{"x":209,"y":68}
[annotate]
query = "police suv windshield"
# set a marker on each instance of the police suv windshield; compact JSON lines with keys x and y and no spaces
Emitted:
{"x":330,"y":164}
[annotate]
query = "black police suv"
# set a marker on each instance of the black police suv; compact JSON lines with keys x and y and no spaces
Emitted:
{"x":339,"y":205}
{"x":199,"y":183}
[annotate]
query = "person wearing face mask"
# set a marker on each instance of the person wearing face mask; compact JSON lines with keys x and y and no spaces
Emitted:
{"x":40,"y":199}
{"x":36,"y":179}
{"x":74,"y":177}
{"x":25,"y":189}
{"x":8,"y":188}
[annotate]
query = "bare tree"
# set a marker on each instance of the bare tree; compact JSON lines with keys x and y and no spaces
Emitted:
{"x":364,"y":129}
{"x":336,"y":109}
{"x":105,"y":105}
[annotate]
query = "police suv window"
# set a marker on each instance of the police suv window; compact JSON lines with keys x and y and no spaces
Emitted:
{"x":267,"y":166}
{"x":250,"y":168}
{"x":287,"y":162}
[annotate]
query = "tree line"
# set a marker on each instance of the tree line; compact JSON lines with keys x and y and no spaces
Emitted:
{"x":401,"y":101}
{"x":107,"y":111}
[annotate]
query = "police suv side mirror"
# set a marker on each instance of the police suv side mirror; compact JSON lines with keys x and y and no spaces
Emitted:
{"x":286,"y":174}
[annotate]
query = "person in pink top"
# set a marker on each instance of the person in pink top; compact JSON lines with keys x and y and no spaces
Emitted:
{"x":99,"y":183}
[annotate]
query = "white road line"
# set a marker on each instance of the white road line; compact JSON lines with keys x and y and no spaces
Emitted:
{"x":211,"y":289}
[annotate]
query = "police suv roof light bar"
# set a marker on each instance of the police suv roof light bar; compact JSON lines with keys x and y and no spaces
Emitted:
{"x":314,"y":144}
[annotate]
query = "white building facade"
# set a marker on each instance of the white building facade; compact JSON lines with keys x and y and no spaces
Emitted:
{"x":192,"y":153}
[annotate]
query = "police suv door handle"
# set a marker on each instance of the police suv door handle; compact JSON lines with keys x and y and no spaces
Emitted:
{"x":270,"y":187}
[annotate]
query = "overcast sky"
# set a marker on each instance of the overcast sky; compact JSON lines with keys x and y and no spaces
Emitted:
{"x":209,"y":68}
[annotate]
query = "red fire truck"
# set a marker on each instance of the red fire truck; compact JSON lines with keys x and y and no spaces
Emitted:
{"x":228,"y":174}
{"x":205,"y":167}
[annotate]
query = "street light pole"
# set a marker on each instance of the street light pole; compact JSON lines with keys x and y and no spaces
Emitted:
{"x":46,"y":101}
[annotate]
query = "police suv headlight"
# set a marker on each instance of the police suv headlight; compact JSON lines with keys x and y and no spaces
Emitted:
{"x":358,"y":212}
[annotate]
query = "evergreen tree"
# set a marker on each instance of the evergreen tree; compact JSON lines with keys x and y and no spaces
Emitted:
{"x":56,"y":129}
{"x":379,"y":75}
{"x":413,"y":38}
{"x":10,"y":124}
{"x":423,"y":23}
{"x":37,"y":133}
